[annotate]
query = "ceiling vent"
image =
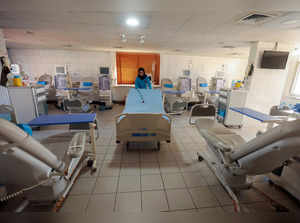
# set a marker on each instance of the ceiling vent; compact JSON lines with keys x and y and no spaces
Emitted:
{"x":67,"y":45}
{"x":255,"y":18}
{"x":228,"y":47}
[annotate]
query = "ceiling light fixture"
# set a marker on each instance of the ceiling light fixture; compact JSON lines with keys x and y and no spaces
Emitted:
{"x":142,"y":39}
{"x":133,"y":22}
{"x":123,"y":38}
{"x":290,"y":22}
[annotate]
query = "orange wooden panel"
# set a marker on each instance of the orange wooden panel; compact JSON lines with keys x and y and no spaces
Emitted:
{"x":128,"y":64}
{"x":127,"y":68}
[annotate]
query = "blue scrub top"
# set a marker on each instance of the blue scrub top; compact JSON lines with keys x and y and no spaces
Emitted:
{"x":142,"y":84}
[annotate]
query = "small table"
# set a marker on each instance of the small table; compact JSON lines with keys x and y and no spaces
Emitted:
{"x":69,"y":119}
{"x":259,"y":116}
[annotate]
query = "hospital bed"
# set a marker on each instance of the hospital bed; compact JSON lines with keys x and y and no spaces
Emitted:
{"x":39,"y":172}
{"x":232,"y":159}
{"x":143,"y":119}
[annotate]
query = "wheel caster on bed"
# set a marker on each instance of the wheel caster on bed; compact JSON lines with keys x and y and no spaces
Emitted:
{"x":271,"y":183}
{"x":200,"y":158}
{"x":90,"y":163}
{"x":158,"y":146}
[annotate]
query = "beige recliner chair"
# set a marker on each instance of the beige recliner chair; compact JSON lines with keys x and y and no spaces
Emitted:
{"x":232,"y":159}
{"x":40,"y":172}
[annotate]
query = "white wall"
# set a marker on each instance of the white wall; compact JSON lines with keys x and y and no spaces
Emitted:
{"x":286,"y":97}
{"x":171,"y":66}
{"x":3,"y":51}
{"x":41,"y":61}
{"x":267,"y":85}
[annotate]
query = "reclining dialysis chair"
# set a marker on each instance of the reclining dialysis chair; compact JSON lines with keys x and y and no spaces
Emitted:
{"x":29,"y":169}
{"x":232,"y":159}
{"x":202,"y":110}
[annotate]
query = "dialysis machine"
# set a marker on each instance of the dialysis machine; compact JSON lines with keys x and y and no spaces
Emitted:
{"x":231,"y":98}
{"x":105,"y":92}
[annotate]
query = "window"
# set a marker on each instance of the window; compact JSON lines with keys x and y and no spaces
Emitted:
{"x":128,"y":64}
{"x":296,"y":84}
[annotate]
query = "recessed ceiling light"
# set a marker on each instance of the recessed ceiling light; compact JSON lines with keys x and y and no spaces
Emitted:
{"x":132,"y":22}
{"x":142,"y":39}
{"x":29,"y":32}
{"x":228,"y":47}
{"x":291,"y":22}
{"x":123,"y":38}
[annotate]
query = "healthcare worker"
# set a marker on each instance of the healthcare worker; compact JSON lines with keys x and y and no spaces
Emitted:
{"x":142,"y":81}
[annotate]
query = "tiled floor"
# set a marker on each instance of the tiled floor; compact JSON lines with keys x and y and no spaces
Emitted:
{"x":172,"y":179}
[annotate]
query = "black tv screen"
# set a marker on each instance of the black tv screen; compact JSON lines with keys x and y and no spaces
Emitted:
{"x":274,"y":59}
{"x":104,"y":70}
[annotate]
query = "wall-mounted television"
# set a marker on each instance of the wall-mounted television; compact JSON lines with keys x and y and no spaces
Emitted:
{"x":104,"y":70}
{"x":274,"y":59}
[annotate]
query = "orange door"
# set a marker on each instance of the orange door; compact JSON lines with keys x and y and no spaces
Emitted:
{"x":127,"y":69}
{"x":128,"y":64}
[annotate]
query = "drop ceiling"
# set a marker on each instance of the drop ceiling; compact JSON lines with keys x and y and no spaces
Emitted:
{"x":195,"y":27}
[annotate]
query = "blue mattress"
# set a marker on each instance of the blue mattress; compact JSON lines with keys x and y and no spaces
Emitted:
{"x":63,"y":119}
{"x":254,"y":114}
{"x":144,"y":101}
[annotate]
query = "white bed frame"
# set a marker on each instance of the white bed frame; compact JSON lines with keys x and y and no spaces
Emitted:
{"x":151,"y":127}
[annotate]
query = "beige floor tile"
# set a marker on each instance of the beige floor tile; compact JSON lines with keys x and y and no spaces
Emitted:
{"x":101,"y":149}
{"x":166,"y":157}
{"x":110,"y":169}
{"x":154,"y":201}
{"x":179,"y":199}
{"x":129,"y":183}
{"x":203,"y":197}
{"x":150,"y":168}
{"x":76,"y":204}
{"x":132,"y":168}
{"x":103,"y":203}
{"x":106,"y":185}
{"x":188,"y":166}
{"x":173,"y":181}
{"x":194,"y":179}
{"x":231,"y":209}
{"x":87,"y":173}
{"x":211,"y":180}
{"x":132,"y":156}
{"x":183,"y":156}
{"x":211,"y":211}
{"x":115,"y":149}
{"x":221,"y":195}
{"x":169,"y":167}
{"x":83,"y":186}
{"x":149,"y":156}
{"x":128,"y":202}
{"x":151,"y":182}
{"x":114,"y":157}
{"x":100,"y":158}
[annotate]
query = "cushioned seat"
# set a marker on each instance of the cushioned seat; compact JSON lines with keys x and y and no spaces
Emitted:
{"x":212,"y":125}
